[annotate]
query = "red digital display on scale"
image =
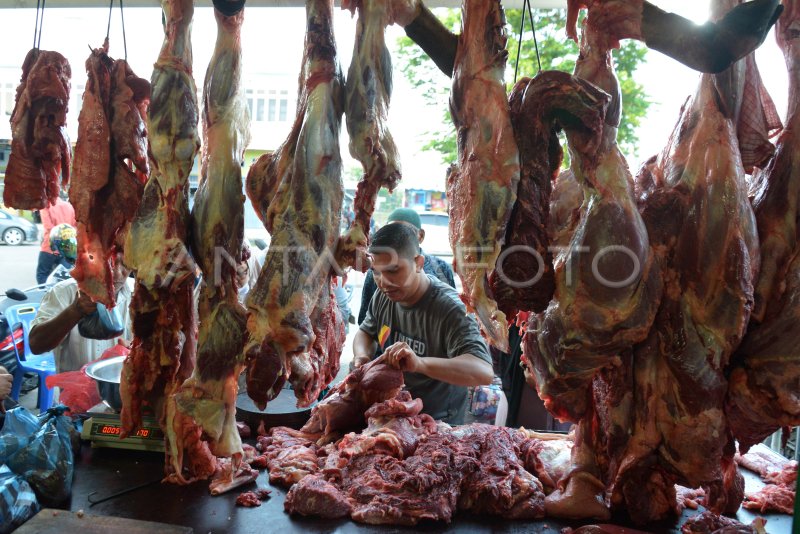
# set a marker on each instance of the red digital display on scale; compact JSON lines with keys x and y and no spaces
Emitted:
{"x":113,"y":430}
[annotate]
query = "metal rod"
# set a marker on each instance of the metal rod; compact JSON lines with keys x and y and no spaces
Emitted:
{"x":119,"y":493}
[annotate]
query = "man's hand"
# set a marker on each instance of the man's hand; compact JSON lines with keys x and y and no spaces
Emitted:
{"x":402,"y":357}
{"x":6,"y":380}
{"x":83,"y":304}
{"x":358,"y":361}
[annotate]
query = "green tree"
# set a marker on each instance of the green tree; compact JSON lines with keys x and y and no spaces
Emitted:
{"x":556,"y":52}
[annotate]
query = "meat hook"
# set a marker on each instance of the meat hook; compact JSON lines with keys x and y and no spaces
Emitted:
{"x":123,"y":492}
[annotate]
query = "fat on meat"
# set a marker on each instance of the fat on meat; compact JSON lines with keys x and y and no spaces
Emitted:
{"x":368,"y":91}
{"x":294,"y":329}
{"x":482,"y":188}
{"x":40,"y":160}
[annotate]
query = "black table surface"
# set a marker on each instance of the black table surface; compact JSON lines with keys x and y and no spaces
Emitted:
{"x":108,"y":471}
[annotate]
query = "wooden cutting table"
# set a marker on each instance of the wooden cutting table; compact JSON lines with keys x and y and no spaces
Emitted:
{"x":108,"y":471}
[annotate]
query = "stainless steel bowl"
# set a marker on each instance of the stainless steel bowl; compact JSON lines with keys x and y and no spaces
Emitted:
{"x":106,"y":373}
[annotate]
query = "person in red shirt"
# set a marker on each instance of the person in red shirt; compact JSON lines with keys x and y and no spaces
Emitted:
{"x":60,"y":212}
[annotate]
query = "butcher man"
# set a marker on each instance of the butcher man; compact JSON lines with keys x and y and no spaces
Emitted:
{"x":422,"y":327}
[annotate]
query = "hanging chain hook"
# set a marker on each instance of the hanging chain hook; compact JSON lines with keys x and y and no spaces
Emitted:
{"x":519,"y":43}
{"x":124,"y":39}
{"x":110,"y":11}
{"x":533,"y":28}
{"x":41,"y":24}
{"x":36,"y":24}
{"x":122,"y":16}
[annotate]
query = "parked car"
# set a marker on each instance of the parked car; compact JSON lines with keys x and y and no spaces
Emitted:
{"x":437,"y":240}
{"x":14,"y":230}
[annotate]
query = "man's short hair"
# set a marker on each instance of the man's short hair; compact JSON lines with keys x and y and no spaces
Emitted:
{"x":401,"y":238}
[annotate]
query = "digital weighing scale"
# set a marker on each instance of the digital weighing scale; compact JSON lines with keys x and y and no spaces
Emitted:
{"x":104,"y":426}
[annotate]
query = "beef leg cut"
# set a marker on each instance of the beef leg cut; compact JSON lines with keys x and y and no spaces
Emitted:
{"x":163,"y":308}
{"x":762,"y":391}
{"x":294,"y":330}
{"x":523,"y":279}
{"x":369,"y":88}
{"x":208,"y":397}
{"x":482,"y":188}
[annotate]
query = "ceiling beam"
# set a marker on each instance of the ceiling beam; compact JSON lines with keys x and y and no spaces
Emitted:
{"x":13,"y":4}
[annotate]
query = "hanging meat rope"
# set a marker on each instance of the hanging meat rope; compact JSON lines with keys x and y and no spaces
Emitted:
{"x":110,"y":168}
{"x":294,"y":326}
{"x":39,"y":164}
{"x":482,"y":188}
{"x":369,"y":88}
{"x":163,"y":309}
{"x":208,"y":397}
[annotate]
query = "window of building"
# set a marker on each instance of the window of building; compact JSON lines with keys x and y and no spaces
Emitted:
{"x":260,"y":110}
{"x":284,"y":106}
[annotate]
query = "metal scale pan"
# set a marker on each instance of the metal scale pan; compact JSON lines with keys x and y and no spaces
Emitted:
{"x":280,"y":411}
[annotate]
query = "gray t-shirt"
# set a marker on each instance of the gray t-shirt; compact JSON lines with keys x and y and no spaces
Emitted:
{"x":436,"y":326}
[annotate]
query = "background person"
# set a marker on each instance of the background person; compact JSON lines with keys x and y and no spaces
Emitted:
{"x":60,"y":212}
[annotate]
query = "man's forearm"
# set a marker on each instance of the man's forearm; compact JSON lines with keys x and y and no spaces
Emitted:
{"x":363,"y":346}
{"x":463,"y":370}
{"x":49,"y":334}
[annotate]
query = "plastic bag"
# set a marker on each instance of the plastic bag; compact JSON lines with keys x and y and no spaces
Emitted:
{"x":46,"y":462}
{"x":18,"y":430}
{"x":78,"y":391}
{"x":17,"y":501}
{"x":485,"y":400}
{"x":102,"y":324}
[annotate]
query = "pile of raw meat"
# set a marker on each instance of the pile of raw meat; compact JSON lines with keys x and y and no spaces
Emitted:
{"x":369,"y":454}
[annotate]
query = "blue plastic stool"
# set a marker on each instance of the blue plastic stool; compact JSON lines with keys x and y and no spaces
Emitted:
{"x":43,"y":364}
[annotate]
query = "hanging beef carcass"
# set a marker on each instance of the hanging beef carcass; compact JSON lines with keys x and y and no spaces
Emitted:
{"x":482,"y":188}
{"x":607,"y":291}
{"x":163,"y":308}
{"x":763,"y":387}
{"x":110,"y":170}
{"x":40,"y":150}
{"x":523,"y":279}
{"x":209,"y":395}
{"x":369,"y":88}
{"x":295,"y":329}
{"x":693,"y":198}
